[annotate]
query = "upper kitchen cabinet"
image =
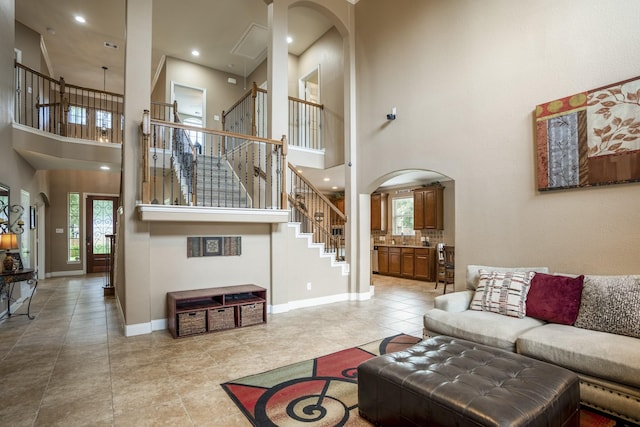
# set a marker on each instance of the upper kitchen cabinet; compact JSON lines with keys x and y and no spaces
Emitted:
{"x":378,"y":212}
{"x":428,"y":208}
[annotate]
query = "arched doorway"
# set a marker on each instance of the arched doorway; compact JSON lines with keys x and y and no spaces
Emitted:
{"x":412,"y":215}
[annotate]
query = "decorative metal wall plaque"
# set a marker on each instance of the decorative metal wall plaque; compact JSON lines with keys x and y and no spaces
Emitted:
{"x":214,"y":246}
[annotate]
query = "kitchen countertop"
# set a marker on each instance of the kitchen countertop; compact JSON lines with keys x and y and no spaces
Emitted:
{"x":404,"y":246}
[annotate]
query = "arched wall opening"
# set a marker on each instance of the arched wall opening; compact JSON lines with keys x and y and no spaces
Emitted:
{"x":377,"y":217}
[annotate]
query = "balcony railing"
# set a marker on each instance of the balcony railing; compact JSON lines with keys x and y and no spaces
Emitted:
{"x":191,"y":166}
{"x":316,"y":214}
{"x":249,"y":116}
{"x":67,"y":110}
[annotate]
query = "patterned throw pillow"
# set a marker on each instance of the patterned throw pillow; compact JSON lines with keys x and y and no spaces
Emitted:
{"x":502,"y":292}
{"x":611,"y":304}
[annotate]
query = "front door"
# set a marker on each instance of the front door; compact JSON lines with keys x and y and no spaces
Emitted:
{"x":100,"y":222}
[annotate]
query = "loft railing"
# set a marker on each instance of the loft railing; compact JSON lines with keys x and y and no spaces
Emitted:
{"x":316,"y":214}
{"x":248,"y":116}
{"x":305,"y":124}
{"x":217,"y":173}
{"x":64,"y":109}
{"x":164,"y":111}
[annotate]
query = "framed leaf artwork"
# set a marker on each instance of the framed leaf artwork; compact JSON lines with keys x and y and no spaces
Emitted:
{"x":590,"y":138}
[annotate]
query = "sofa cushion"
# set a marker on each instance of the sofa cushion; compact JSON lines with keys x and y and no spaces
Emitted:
{"x":473,"y":272}
{"x":555,"y":299}
{"x":482,"y":327}
{"x":611,"y":304}
{"x":608,"y":356}
{"x":502,"y":292}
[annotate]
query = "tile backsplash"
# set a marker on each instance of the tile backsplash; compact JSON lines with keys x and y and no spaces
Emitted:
{"x":432,"y":236}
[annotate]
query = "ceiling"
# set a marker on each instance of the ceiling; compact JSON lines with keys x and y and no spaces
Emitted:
{"x":231,"y":35}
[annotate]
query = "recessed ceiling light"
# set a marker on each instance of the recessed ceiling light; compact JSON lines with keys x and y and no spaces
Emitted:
{"x":327,"y":179}
{"x":195,"y":53}
{"x":105,"y":168}
{"x":299,"y":170}
{"x":334,"y":188}
{"x":289,"y":39}
{"x":80,"y":19}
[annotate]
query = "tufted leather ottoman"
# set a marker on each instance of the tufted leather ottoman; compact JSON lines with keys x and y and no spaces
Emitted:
{"x":443,"y":381}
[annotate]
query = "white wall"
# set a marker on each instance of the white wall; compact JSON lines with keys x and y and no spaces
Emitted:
{"x":466,"y":77}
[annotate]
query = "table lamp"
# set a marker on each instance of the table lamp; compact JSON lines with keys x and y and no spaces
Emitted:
{"x":8,"y":242}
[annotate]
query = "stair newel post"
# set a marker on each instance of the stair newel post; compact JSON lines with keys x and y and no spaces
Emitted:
{"x":284,"y":164}
{"x":146,"y":131}
{"x":194,"y":171}
{"x":64,"y":108}
{"x":176,"y":118}
{"x":254,"y":113}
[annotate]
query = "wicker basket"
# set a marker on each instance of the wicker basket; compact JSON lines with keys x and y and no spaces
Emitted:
{"x":221,"y":318}
{"x":251,"y":314}
{"x":192,"y":323}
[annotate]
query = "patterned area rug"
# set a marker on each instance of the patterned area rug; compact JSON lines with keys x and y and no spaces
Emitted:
{"x":324,"y":391}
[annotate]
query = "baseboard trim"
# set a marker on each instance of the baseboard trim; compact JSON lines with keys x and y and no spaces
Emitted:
{"x":137,"y":329}
{"x":64,"y":273}
{"x":313,"y":302}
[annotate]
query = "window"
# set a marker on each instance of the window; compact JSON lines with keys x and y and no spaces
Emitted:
{"x":103,"y":119}
{"x":402,"y":216}
{"x":77,"y":115}
{"x":73,"y":219}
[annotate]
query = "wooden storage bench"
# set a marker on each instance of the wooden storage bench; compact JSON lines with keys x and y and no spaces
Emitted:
{"x":200,"y":311}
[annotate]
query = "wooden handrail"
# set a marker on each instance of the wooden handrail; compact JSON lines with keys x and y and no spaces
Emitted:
{"x":64,"y":85}
{"x":322,"y":196}
{"x":302,"y":101}
{"x":218,"y":132}
{"x":238,"y":102}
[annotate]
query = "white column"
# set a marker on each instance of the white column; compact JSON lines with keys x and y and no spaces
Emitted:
{"x":137,"y":95}
{"x":277,"y":125}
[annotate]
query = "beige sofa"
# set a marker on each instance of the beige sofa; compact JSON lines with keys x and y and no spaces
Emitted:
{"x":607,"y":363}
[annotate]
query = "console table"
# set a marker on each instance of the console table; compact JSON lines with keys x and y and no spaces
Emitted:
{"x":9,"y":279}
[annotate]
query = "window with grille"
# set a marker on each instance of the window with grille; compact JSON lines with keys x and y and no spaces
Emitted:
{"x":402,"y":216}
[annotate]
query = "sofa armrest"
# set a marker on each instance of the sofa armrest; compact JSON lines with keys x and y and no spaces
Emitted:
{"x":455,"y":302}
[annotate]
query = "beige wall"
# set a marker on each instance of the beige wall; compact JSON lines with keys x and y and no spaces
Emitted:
{"x":171,"y":270}
{"x":61,"y":183}
{"x":28,"y":42}
{"x":327,"y":53}
{"x":220,"y":94}
{"x":466,"y":77}
{"x":15,"y":172}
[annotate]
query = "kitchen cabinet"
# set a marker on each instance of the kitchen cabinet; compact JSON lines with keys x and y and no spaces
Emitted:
{"x":428,"y":208}
{"x":339,"y":203}
{"x":383,"y":260}
{"x":425,"y":264}
{"x":395,"y":261}
{"x":416,"y":263}
{"x":378,"y":212}
{"x":408,"y":255}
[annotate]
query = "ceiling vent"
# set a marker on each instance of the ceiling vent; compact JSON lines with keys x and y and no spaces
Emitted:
{"x":253,"y":42}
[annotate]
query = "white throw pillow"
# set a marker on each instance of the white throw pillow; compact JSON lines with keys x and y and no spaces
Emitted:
{"x":502,"y":292}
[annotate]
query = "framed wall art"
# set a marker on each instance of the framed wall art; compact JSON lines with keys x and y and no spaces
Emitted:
{"x":590,"y":138}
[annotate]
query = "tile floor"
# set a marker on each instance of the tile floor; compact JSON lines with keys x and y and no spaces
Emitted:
{"x":72,"y":366}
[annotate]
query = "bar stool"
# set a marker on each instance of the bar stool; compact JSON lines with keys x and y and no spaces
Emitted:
{"x":446,"y":267}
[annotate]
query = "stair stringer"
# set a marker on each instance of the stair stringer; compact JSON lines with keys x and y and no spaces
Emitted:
{"x":343,"y":265}
{"x":313,"y":278}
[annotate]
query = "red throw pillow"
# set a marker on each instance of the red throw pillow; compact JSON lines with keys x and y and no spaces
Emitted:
{"x":555,"y":299}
